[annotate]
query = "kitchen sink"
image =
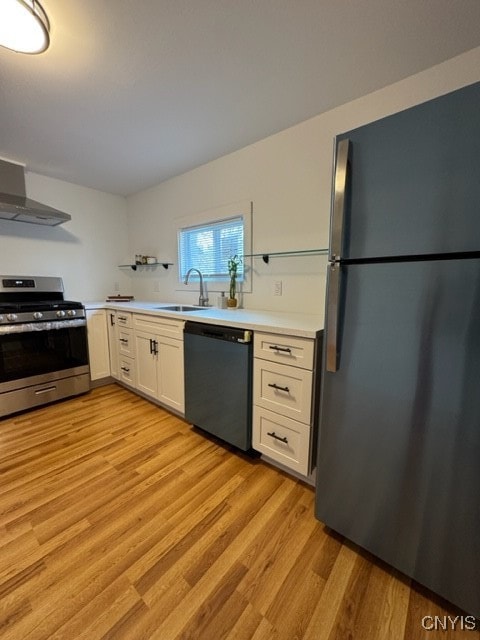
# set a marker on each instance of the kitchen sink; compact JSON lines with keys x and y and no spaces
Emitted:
{"x":181,"y":307}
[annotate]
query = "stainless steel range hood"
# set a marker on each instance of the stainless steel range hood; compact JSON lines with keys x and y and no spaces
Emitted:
{"x":14,"y":204}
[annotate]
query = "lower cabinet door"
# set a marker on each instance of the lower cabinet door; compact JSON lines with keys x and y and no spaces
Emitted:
{"x":282,"y":439}
{"x":171,"y":383}
{"x":99,"y":355}
{"x":146,"y":364}
{"x":159,"y":368}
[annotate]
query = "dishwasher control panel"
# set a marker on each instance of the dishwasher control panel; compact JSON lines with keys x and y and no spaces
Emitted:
{"x":218,"y":332}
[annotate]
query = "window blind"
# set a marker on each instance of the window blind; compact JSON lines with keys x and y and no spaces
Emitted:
{"x":208,"y":247}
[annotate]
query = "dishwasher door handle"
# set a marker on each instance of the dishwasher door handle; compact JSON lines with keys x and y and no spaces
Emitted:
{"x":213,"y":334}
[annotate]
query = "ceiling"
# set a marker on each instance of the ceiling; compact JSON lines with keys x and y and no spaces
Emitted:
{"x":133,"y":92}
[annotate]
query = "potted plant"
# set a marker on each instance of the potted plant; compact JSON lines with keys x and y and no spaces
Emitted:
{"x":233,"y":263}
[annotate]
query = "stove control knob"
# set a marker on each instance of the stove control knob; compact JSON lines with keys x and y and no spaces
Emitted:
{"x":60,"y":314}
{"x":11,"y":316}
{"x":1,"y":318}
{"x":71,"y":312}
{"x":37,"y":315}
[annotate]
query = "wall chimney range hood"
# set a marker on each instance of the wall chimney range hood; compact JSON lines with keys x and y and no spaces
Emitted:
{"x":14,"y":204}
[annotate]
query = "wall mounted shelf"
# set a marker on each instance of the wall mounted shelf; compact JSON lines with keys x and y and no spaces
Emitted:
{"x":134,"y":267}
{"x":286,"y":254}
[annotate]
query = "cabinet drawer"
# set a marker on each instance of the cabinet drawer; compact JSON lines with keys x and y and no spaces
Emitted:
{"x":291,"y":350}
{"x":126,"y":370}
{"x":164,"y":326}
{"x":124,"y":319}
{"x":284,"y":440}
{"x":283,"y":389}
{"x":126,"y":345}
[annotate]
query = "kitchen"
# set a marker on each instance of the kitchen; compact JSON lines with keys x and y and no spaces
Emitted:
{"x":287,"y":177}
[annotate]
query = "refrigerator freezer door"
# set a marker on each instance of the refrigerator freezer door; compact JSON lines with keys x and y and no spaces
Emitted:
{"x":398,"y":466}
{"x":413,"y":186}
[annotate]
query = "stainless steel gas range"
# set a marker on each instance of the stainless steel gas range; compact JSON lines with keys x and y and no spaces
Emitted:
{"x":43,"y":343}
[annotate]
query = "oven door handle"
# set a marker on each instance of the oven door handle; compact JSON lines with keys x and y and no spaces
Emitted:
{"x":29,"y":327}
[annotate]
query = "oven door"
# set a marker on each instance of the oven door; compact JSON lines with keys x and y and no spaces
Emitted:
{"x":37,"y":351}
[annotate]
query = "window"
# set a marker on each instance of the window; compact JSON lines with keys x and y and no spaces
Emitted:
{"x":207,"y":240}
{"x":208,"y":247}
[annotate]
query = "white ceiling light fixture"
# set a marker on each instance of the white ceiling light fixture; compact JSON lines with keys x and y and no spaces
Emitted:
{"x":24,"y":26}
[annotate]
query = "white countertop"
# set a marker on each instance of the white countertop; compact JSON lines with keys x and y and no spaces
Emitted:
{"x":288,"y":323}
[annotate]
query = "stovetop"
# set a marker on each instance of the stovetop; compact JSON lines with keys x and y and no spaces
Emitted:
{"x":27,"y":299}
{"x":41,"y":305}
{"x":39,"y":311}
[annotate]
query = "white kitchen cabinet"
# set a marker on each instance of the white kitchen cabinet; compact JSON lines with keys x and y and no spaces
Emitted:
{"x":170,"y":369}
{"x":124,"y":319}
{"x":284,"y":397}
{"x":158,"y":345}
{"x":284,"y":389}
{"x":126,"y":370}
{"x":291,"y":350}
{"x":122,"y":353}
{"x":282,"y":439}
{"x":146,"y":363}
{"x":125,"y":342}
{"x":98,"y":348}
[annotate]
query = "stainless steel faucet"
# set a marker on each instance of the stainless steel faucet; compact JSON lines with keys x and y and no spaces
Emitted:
{"x":202,"y":300}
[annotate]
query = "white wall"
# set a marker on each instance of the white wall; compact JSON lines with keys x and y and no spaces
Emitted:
{"x":288,"y":178}
{"x":84,"y":251}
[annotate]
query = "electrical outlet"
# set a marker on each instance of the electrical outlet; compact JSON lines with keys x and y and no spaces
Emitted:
{"x":116,"y":286}
{"x":156,"y":286}
{"x":277,"y":288}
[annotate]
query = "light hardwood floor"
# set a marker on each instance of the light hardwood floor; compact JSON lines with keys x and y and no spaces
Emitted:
{"x":119,"y":521}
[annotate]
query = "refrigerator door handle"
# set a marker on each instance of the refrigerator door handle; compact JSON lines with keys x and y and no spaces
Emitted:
{"x":338,"y":198}
{"x":333,"y":312}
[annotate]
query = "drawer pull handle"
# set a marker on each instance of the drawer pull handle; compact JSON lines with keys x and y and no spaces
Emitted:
{"x":126,"y":369}
{"x":278,"y":388}
{"x":122,"y":318}
{"x":123,"y":339}
{"x":277,"y":348}
{"x":274,"y":435}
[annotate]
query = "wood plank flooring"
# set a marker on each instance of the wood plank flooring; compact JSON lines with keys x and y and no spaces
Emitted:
{"x":120,"y":521}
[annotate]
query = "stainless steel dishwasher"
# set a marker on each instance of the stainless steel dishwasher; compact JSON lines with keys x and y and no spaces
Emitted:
{"x":218,"y":381}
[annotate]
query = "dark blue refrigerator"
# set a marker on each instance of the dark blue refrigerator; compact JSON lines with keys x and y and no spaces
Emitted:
{"x":398,"y":468}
